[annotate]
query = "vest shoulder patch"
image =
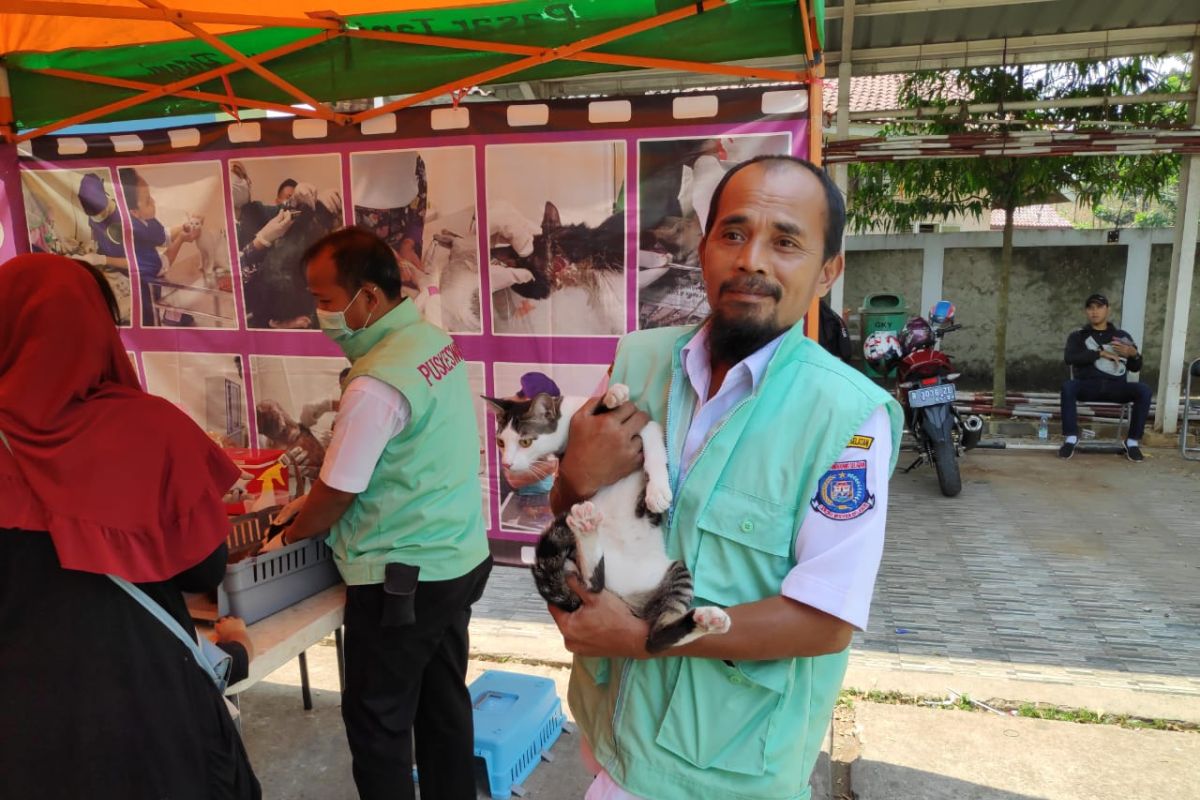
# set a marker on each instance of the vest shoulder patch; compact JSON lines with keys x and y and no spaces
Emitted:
{"x":862,"y":442}
{"x":842,"y":491}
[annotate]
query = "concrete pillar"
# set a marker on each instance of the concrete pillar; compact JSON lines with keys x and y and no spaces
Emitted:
{"x":931,"y":273}
{"x":1183,"y":260}
{"x":1137,"y":282}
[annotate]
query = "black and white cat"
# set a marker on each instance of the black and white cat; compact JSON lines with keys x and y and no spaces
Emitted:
{"x":568,"y":255}
{"x":613,"y":541}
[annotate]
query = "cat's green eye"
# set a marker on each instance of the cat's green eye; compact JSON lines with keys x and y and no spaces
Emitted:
{"x":526,"y":441}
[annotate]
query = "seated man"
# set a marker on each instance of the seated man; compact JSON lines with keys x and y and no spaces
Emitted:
{"x":1101,"y":354}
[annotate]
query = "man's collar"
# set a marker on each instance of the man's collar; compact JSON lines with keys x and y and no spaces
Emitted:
{"x":755,"y":363}
{"x":401,"y":316}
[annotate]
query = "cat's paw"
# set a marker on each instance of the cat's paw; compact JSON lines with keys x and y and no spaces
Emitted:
{"x":584,"y":518}
{"x":710,"y":619}
{"x":658,"y":497}
{"x":617,"y":393}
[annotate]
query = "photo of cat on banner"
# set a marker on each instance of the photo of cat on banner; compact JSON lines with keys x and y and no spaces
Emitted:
{"x":527,"y":415}
{"x":281,"y":206}
{"x":556,"y":224}
{"x":75,"y":213}
{"x":422,"y":203}
{"x":295,"y":403}
{"x":180,"y":245}
{"x":676,"y":179}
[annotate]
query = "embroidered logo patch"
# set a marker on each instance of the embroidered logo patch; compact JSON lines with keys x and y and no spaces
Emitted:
{"x":842,"y":491}
{"x":862,"y":442}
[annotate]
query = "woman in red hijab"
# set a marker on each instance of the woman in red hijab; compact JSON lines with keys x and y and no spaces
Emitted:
{"x":97,"y":477}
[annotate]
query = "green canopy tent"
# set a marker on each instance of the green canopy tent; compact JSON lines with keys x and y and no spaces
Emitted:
{"x":73,"y":62}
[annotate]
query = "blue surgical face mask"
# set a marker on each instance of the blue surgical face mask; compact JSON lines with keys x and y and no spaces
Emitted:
{"x":333,"y":323}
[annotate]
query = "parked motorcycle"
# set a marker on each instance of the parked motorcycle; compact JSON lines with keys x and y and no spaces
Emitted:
{"x":925,"y":388}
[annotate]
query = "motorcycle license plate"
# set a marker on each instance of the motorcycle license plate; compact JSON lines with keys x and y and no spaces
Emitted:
{"x":931,"y":395}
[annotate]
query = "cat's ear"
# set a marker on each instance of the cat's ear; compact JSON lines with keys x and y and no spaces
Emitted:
{"x":546,"y":406}
{"x":551,"y":219}
{"x":500,"y":407}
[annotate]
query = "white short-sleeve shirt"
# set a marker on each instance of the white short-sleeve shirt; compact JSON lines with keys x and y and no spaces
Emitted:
{"x":370,"y":413}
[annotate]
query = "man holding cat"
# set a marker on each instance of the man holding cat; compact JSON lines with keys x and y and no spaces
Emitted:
{"x":778,"y":456}
{"x":399,"y":495}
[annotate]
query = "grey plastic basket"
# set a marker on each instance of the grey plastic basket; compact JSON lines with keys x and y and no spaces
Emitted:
{"x":261,"y":585}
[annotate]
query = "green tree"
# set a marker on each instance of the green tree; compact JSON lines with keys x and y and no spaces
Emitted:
{"x":896,"y":194}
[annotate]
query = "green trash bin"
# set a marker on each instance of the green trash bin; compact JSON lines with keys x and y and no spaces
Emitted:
{"x":882,"y":311}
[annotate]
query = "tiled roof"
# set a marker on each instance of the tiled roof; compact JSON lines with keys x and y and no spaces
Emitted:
{"x":875,"y":93}
{"x":867,"y":93}
{"x":1031,"y":217}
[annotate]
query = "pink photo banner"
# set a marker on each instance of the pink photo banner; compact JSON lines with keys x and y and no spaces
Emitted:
{"x":536,"y":234}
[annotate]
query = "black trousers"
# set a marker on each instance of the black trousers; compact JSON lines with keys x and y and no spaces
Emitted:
{"x":1096,"y":390}
{"x":401,"y":679}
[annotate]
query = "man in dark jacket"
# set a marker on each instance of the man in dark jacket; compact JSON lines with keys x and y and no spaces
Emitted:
{"x":832,"y":333}
{"x":1100,"y":354}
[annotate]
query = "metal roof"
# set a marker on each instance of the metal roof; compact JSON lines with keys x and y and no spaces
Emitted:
{"x":892,"y":36}
{"x":902,"y":35}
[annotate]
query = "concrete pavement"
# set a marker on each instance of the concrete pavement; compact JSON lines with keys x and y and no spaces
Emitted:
{"x":925,"y":754}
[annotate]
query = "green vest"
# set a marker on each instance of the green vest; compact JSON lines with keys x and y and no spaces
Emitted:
{"x":422,"y":505}
{"x":685,"y":728}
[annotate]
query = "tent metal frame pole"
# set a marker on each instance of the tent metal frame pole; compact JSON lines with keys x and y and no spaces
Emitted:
{"x":6,"y":107}
{"x":841,"y":172}
{"x":172,"y":88}
{"x":544,"y":56}
{"x":812,"y":320}
{"x":41,"y":8}
{"x":208,"y":97}
{"x":1183,"y":266}
{"x":241,"y":58}
{"x":808,"y":38}
{"x":642,"y":62}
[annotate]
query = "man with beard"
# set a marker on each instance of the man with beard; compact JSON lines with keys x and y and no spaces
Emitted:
{"x":779,"y":456}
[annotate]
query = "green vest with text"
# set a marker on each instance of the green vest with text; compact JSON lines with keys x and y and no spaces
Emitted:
{"x":685,"y":728}
{"x":423,"y":504}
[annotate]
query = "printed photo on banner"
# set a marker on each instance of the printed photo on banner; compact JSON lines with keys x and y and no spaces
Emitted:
{"x":556,"y":226}
{"x":180,"y":245}
{"x":422,"y":203}
{"x":75,"y":213}
{"x":528,"y":397}
{"x":475,"y":374}
{"x":676,"y":179}
{"x":295,"y":402}
{"x":209,"y":387}
{"x":282,"y":205}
